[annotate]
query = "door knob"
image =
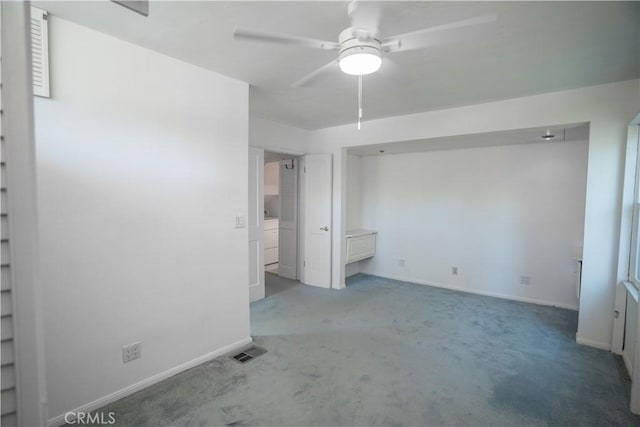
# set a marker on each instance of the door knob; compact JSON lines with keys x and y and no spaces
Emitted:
{"x":325,"y":228}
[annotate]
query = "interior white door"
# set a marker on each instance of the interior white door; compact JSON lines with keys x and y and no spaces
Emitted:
{"x":288,"y":233}
{"x":317,"y":219}
{"x":256,"y":224}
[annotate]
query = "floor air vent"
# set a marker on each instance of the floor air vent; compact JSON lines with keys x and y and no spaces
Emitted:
{"x":248,"y":354}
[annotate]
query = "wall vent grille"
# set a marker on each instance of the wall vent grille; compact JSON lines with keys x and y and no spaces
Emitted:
{"x":248,"y":354}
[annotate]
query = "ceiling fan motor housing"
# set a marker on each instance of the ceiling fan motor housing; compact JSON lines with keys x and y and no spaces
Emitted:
{"x":363,"y":44}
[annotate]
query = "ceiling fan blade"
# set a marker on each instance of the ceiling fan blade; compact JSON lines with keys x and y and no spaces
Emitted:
{"x":242,"y":33}
{"x":437,"y":35}
{"x":306,"y":79}
{"x":366,"y":15}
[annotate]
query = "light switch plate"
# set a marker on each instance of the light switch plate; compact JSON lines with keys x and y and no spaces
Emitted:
{"x":241,"y":221}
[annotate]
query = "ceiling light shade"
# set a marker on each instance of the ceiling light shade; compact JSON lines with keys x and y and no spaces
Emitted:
{"x":360,"y":52}
{"x":359,"y":61}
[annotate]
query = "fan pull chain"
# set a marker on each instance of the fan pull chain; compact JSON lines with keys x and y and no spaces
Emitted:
{"x":359,"y":100}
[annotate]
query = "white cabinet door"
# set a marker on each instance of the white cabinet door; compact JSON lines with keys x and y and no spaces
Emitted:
{"x":270,"y":239}
{"x":360,"y":247}
{"x":270,"y":256}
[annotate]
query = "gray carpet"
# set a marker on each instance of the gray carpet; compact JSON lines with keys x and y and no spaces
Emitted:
{"x":274,"y":284}
{"x":384,"y":352}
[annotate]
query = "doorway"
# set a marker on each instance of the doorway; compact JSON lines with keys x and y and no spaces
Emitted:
{"x":298,"y":243}
{"x":281,"y":243}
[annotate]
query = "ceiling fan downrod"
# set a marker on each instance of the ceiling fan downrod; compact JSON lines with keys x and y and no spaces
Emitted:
{"x":359,"y":100}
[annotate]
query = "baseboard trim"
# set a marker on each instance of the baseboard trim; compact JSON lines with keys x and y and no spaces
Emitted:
{"x":592,"y":343}
{"x":475,"y":291}
{"x":117,"y":395}
{"x":256,"y":293}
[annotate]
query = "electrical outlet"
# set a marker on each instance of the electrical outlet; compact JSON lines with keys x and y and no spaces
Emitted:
{"x":131,"y":352}
{"x":400,"y":263}
{"x":525,"y":280}
{"x":454,"y":270}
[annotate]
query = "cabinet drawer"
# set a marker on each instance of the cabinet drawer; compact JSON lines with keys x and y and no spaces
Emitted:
{"x":270,"y":256}
{"x":270,"y":239}
{"x":361,"y":247}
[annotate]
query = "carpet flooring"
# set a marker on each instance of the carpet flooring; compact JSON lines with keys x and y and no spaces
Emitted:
{"x":383,"y":352}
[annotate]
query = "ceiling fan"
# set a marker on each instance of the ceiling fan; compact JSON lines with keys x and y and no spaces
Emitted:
{"x":361,"y":47}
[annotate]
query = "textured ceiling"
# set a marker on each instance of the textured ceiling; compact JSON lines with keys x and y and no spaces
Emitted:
{"x":534,"y":47}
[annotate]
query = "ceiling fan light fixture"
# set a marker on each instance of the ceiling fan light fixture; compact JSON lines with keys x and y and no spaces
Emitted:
{"x":360,"y":52}
{"x":360,"y":63}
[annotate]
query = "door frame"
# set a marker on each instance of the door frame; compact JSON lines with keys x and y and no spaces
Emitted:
{"x":300,"y":158}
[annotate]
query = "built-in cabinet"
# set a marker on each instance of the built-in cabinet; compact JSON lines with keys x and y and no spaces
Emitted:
{"x":361,"y":244}
{"x":271,"y":226}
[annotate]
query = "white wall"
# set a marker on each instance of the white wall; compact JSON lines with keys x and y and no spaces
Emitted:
{"x":272,"y":188}
{"x":353,"y":205}
{"x":354,"y":193}
{"x":495,"y":213}
{"x":272,"y":206}
{"x":271,"y":178}
{"x":142,"y":167}
{"x":278,"y":137}
{"x":608,"y":108}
